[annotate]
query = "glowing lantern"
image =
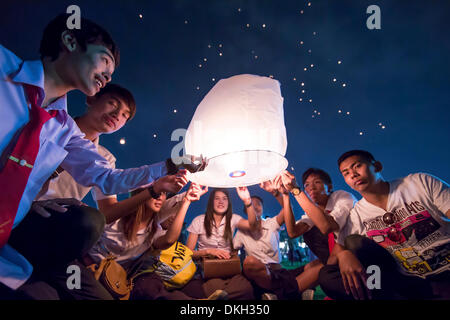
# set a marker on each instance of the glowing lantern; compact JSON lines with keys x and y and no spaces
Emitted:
{"x":239,"y":127}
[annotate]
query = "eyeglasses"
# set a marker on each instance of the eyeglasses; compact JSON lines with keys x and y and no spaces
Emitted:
{"x":393,"y":233}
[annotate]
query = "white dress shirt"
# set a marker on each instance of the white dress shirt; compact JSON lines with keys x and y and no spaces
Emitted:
{"x":216,"y":240}
{"x":61,"y":143}
{"x":266,"y":246}
{"x":64,"y":186}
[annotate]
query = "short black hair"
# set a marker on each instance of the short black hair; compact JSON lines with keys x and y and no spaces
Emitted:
{"x":123,"y":93}
{"x":89,"y":33}
{"x":362,"y":153}
{"x":257,"y":197}
{"x":325,"y":177}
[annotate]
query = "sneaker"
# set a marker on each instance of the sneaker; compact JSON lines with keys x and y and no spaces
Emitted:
{"x":308,"y":294}
{"x":269,"y":296}
{"x":218,"y":295}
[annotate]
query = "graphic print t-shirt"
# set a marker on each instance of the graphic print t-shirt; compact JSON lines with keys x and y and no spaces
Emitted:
{"x":419,"y":238}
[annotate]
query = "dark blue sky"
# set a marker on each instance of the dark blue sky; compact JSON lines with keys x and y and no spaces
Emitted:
{"x":397,"y":76}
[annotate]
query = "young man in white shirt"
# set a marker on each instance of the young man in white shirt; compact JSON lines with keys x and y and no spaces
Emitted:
{"x":326,"y":211}
{"x":108,"y":111}
{"x":401,"y":226}
{"x":262,"y":264}
{"x":81,"y":59}
{"x":262,"y":245}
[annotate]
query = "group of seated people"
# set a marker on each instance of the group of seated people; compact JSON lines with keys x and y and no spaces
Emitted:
{"x":402,"y":226}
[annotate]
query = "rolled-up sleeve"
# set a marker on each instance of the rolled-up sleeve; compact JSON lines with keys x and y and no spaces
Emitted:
{"x":88,"y":168}
{"x":340,"y":205}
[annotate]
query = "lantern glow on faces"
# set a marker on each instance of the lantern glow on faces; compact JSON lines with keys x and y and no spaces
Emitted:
{"x":239,"y":128}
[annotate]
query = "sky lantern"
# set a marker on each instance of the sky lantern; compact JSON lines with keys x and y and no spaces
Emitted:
{"x":239,"y":127}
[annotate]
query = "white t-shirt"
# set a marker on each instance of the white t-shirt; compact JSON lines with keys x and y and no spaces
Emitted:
{"x":113,"y":241}
{"x":267,"y":247}
{"x":419,"y":203}
{"x":216,"y":240}
{"x":64,"y":186}
{"x":338,"y":206}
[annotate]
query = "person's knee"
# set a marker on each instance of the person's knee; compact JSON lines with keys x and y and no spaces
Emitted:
{"x":327,"y":275}
{"x":88,"y":220}
{"x":354,"y":242}
{"x":250,"y":263}
{"x":87,"y":224}
{"x":147,"y":287}
{"x":312,"y":264}
{"x":251,"y":266}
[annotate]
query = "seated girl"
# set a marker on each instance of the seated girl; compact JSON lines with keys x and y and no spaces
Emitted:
{"x":212,"y":233}
{"x":128,"y":238}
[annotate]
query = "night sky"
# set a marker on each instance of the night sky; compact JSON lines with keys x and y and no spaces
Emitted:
{"x":390,"y":96}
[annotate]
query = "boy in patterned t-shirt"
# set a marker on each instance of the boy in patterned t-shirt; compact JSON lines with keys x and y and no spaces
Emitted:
{"x":401,"y":226}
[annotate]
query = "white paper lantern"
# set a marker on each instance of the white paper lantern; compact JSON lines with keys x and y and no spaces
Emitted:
{"x":239,"y":127}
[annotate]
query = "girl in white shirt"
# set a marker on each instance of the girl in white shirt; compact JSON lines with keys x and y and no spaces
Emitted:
{"x":129,"y":237}
{"x":213,"y":233}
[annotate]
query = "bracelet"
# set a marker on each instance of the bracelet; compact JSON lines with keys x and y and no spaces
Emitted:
{"x":248,"y":205}
{"x":152,"y":192}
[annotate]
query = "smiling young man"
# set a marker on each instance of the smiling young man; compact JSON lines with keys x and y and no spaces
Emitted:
{"x":326,"y":211}
{"x":36,"y":136}
{"x":401,"y":226}
{"x":107,"y":112}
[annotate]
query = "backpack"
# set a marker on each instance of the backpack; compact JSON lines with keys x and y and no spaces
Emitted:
{"x":175,"y":266}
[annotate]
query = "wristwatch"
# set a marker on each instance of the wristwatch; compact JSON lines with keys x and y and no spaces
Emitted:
{"x":152,"y":192}
{"x":296,"y":191}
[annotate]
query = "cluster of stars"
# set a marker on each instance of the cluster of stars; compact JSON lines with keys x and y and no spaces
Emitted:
{"x":347,"y":113}
{"x":309,"y":67}
{"x":316,"y":113}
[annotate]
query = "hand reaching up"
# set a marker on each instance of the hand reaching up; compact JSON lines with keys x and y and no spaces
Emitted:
{"x":171,"y":183}
{"x":278,"y":184}
{"x":268,"y":186}
{"x":244,"y":194}
{"x":195,"y":192}
{"x":288,"y":180}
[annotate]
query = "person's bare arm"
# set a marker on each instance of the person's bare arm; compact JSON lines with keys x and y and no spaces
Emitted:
{"x":354,"y":276}
{"x":174,"y":230}
{"x":332,"y":259}
{"x":173,"y":233}
{"x":252,"y":223}
{"x":324,"y":222}
{"x":293,"y":229}
{"x":197,"y":254}
{"x":114,"y":210}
